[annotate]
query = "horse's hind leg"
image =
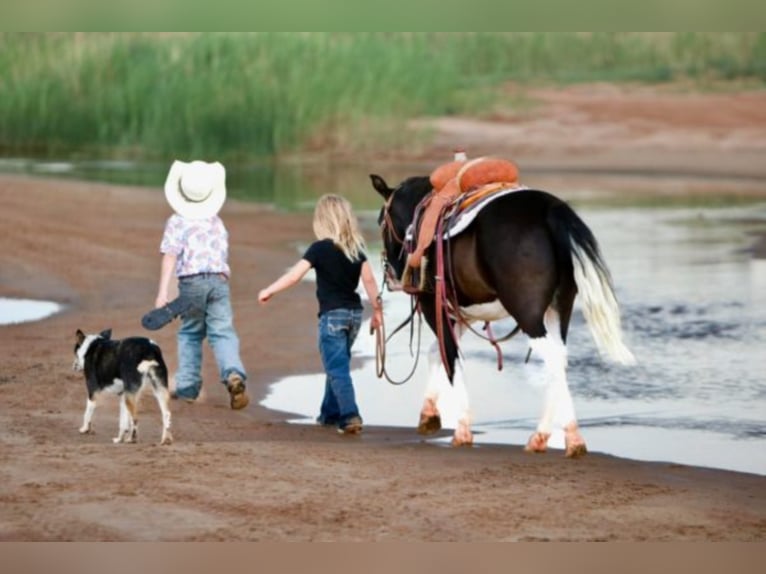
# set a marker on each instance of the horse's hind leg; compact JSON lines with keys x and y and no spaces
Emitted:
{"x":558,"y":403}
{"x":463,"y":435}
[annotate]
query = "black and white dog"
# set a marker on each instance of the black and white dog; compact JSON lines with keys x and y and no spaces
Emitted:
{"x":122,"y":367}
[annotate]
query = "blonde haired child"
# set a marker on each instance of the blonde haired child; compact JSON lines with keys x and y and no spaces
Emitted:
{"x":339,"y":260}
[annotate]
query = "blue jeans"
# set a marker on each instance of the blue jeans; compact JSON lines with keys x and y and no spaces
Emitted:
{"x":210,"y":316}
{"x":337,"y":331}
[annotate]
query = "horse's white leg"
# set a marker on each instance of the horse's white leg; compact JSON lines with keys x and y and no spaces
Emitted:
{"x":430,"y":418}
{"x":463,"y":435}
{"x":558,"y":404}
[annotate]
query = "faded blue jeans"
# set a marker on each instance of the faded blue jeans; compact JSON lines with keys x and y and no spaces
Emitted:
{"x":338,"y":329}
{"x":210,"y":317}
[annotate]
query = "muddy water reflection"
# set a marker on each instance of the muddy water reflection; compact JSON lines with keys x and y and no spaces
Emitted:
{"x":694,"y":313}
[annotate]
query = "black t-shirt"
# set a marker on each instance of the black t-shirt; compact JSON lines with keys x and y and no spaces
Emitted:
{"x":337,"y":277}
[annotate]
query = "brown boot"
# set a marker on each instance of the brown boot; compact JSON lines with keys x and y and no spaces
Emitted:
{"x":235,"y":384}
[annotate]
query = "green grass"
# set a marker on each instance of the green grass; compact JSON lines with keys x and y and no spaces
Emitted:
{"x":246,"y":96}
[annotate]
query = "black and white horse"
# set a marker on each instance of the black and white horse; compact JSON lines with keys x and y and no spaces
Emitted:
{"x":526,"y":255}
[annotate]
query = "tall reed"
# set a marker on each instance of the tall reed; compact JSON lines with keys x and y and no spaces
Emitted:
{"x":263,"y":94}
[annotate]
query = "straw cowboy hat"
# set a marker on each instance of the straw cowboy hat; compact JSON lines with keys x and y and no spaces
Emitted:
{"x":196,"y":190}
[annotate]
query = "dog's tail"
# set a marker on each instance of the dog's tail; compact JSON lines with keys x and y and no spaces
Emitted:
{"x":154,"y":371}
{"x":146,"y":367}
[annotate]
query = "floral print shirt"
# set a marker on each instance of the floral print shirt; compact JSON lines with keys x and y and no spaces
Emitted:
{"x":201,"y":245}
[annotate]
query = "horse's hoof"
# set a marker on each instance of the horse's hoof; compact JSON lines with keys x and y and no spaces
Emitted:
{"x":537,"y":443}
{"x":576,"y":450}
{"x":575,"y":445}
{"x":457,"y":442}
{"x":166,"y":440}
{"x":430,"y":425}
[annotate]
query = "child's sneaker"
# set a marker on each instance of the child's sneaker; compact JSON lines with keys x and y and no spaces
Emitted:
{"x":235,"y":384}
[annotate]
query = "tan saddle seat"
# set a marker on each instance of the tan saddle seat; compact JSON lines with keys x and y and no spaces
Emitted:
{"x":449,"y":182}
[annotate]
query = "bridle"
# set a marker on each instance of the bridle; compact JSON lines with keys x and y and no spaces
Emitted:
{"x":389,"y":281}
{"x":387,"y":227}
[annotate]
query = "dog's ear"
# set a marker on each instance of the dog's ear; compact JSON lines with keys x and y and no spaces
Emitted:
{"x":80,"y":336}
{"x":106,"y":333}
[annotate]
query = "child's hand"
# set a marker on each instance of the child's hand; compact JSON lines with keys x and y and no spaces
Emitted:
{"x":263,"y":296}
{"x":160,"y":301}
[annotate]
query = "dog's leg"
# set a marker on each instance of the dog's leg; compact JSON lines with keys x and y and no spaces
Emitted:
{"x":123,"y":429}
{"x":86,"y":427}
{"x":157,"y":378}
{"x":159,"y":385}
{"x":131,"y":402}
{"x":163,"y":399}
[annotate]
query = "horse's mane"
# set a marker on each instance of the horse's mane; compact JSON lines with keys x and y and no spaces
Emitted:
{"x":415,"y":188}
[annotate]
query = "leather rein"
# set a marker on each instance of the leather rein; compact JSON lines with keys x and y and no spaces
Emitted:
{"x":387,"y":226}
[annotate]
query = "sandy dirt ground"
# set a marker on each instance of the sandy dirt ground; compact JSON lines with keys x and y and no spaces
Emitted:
{"x":251,"y":476}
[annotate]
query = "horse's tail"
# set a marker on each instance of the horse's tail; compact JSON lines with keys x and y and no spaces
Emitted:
{"x":593,"y":280}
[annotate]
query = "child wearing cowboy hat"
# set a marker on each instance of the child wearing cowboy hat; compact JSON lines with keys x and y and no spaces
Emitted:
{"x":195,"y":249}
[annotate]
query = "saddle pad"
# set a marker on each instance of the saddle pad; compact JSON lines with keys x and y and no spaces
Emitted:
{"x":458,"y":223}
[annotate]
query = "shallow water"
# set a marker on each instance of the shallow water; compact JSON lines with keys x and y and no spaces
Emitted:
{"x":22,"y":310}
{"x":694,"y":314}
{"x":285,"y":187}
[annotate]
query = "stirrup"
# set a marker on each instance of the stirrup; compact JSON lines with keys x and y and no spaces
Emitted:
{"x":414,"y":278}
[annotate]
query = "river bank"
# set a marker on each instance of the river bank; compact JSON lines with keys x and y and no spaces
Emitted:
{"x":249,"y":475}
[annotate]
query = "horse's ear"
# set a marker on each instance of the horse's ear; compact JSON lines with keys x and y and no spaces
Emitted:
{"x":106,"y":333}
{"x":80,"y":336}
{"x":381,"y":186}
